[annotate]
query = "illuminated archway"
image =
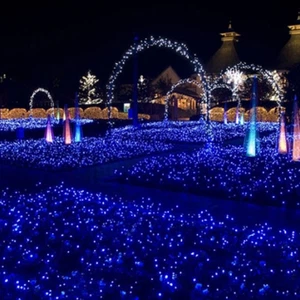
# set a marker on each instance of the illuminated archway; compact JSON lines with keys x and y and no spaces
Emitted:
{"x":174,"y":86}
{"x":33,"y":95}
{"x":216,"y":86}
{"x":147,"y":43}
{"x":272,"y":77}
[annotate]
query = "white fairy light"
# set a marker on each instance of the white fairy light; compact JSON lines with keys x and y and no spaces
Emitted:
{"x":234,"y":77}
{"x":145,"y":44}
{"x":33,"y":95}
{"x":88,"y":90}
{"x":272,"y":77}
{"x":182,"y":82}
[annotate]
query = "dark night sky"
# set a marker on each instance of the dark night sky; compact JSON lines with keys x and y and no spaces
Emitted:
{"x":65,"y":40}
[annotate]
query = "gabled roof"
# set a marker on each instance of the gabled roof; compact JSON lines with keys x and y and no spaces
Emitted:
{"x":168,"y":73}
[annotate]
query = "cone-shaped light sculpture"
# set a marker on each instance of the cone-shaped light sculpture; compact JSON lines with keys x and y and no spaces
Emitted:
{"x":242,"y":119}
{"x":78,"y":132}
{"x":49,"y":136}
{"x":251,"y":141}
{"x":78,"y":128}
{"x":282,"y":143}
{"x":65,"y":113}
{"x":67,"y":130}
{"x":296,"y":132}
{"x":57,"y":114}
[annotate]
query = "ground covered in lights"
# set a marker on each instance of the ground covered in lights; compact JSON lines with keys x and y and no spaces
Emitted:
{"x":90,"y":151}
{"x":215,"y":165}
{"x":33,"y":123}
{"x":63,"y":243}
{"x":219,"y":167}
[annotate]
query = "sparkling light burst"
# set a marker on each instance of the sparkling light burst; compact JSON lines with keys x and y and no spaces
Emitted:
{"x":271,"y":77}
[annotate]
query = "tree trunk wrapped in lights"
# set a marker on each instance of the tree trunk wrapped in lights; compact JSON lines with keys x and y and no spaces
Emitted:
{"x":296,"y":132}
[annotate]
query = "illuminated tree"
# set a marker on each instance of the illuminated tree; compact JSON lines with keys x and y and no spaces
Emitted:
{"x":89,"y":93}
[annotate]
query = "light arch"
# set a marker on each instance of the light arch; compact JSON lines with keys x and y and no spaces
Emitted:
{"x":268,"y":75}
{"x":40,"y":90}
{"x":147,"y":43}
{"x":216,"y":86}
{"x":174,"y":86}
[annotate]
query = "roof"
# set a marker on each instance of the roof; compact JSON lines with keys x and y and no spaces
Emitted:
{"x":168,"y":73}
{"x":289,"y":56}
{"x":226,"y":55}
{"x":290,"y":53}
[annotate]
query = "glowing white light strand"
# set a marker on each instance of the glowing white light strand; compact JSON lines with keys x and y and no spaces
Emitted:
{"x":216,"y":85}
{"x":272,"y":77}
{"x":182,"y":82}
{"x":147,"y":43}
{"x":33,"y":95}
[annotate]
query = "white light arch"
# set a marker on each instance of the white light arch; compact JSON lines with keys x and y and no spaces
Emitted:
{"x":268,"y":75}
{"x":174,"y":86}
{"x":147,"y":43}
{"x":220,"y":85}
{"x":33,"y":95}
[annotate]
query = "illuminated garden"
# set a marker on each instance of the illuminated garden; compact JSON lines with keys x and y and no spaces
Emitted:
{"x":177,"y":209}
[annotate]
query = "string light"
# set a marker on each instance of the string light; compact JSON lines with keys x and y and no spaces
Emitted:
{"x":272,"y":77}
{"x":183,"y":82}
{"x":68,"y":243}
{"x":145,"y":44}
{"x":40,"y":90}
{"x":13,"y":124}
{"x":222,"y":170}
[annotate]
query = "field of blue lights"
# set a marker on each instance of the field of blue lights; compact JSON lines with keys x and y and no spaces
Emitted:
{"x":62,"y":242}
{"x":33,"y":123}
{"x":66,"y":243}
{"x":90,"y":151}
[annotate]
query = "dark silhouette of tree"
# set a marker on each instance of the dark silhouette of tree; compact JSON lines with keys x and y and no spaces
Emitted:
{"x":162,"y":86}
{"x":124,"y":93}
{"x":221,"y":95}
